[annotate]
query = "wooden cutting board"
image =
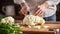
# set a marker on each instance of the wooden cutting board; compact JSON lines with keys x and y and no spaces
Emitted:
{"x":27,"y":30}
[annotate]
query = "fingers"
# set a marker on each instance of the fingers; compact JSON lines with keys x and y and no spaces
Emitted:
{"x":24,"y":10}
{"x":37,"y":8}
{"x":38,"y":12}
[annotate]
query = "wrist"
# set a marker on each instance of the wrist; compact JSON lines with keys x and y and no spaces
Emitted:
{"x":44,"y":5}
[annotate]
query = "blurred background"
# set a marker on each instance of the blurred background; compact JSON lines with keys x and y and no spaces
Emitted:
{"x":7,"y":7}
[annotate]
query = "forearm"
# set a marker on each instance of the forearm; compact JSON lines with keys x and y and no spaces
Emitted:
{"x":44,"y":5}
{"x":50,"y":3}
{"x":22,"y":3}
{"x":25,"y":6}
{"x":53,"y":2}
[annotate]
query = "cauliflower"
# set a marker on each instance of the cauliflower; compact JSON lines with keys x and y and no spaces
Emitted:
{"x":9,"y":20}
{"x":29,"y":20}
{"x":33,"y":20}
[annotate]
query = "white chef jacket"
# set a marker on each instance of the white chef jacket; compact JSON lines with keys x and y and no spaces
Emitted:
{"x":49,"y":11}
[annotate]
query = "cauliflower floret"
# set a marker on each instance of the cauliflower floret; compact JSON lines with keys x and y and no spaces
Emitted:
{"x":9,"y":20}
{"x":33,"y":20}
{"x":28,"y":20}
{"x":39,"y":20}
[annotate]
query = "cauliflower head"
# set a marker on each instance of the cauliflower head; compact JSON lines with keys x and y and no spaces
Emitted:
{"x":33,"y":20}
{"x":9,"y":20}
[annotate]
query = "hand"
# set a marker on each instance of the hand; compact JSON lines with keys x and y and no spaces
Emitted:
{"x":25,"y":8}
{"x":38,"y":11}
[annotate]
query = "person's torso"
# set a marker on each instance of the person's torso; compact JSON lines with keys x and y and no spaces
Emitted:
{"x":33,"y":3}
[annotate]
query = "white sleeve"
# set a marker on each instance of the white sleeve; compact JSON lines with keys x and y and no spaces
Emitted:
{"x":51,"y":9}
{"x":53,"y":2}
{"x":19,"y":1}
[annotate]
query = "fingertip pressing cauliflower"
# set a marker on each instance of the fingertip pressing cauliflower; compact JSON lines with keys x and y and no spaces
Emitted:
{"x":33,"y":20}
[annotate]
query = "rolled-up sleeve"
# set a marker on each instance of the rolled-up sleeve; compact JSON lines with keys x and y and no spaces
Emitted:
{"x":53,"y":2}
{"x":19,"y":1}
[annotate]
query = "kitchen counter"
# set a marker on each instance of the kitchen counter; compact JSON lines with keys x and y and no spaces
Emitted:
{"x":51,"y":30}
